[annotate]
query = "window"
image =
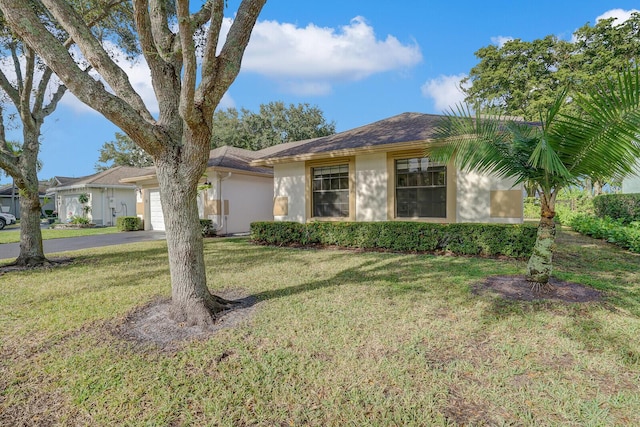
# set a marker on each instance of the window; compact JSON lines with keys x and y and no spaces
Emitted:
{"x":330,"y":196}
{"x":421,"y":189}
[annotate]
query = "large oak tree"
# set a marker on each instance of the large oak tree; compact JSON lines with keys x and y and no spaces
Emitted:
{"x":189,"y":78}
{"x":31,"y":90}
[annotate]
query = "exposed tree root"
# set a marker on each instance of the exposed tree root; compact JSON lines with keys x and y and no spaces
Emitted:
{"x":542,"y":288}
{"x":32,"y":262}
{"x":201,"y":313}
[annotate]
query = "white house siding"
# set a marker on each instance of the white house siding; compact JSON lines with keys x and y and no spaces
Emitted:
{"x":289,"y":186}
{"x":371,"y":187}
{"x":106,"y":204}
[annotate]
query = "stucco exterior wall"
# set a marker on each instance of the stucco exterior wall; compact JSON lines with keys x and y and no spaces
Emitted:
{"x":249,"y":199}
{"x":289,"y":192}
{"x":472,"y":197}
{"x":484,"y":198}
{"x":371,"y":187}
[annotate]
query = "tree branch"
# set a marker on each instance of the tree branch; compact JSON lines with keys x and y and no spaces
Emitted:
{"x":16,"y":63}
{"x":161,"y":33}
{"x":8,"y":88}
{"x":209,"y":60}
{"x":28,"y":27}
{"x":189,"y":73}
{"x":25,"y":91}
{"x":94,"y":52}
{"x":215,"y":84}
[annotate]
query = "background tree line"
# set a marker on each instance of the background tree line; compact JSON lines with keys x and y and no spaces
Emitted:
{"x":524,"y":78}
{"x":274,"y":123}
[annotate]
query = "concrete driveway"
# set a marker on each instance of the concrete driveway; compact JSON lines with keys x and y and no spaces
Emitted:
{"x":12,"y":250}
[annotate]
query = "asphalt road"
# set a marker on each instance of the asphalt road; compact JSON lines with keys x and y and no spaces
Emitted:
{"x":12,"y":250}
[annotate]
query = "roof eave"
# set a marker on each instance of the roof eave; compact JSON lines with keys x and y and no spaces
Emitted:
{"x":371,"y":149}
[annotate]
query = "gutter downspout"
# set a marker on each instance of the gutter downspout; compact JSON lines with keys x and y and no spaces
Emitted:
{"x":223,"y":217}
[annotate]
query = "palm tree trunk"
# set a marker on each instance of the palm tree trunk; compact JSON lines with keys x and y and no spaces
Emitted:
{"x":540,"y":265}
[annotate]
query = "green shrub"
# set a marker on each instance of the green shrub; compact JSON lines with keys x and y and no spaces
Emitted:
{"x":79,"y":220}
{"x":208,"y":230}
{"x":532,"y":207}
{"x":512,"y":240}
{"x":128,"y":223}
{"x":623,"y":207}
{"x":612,"y":230}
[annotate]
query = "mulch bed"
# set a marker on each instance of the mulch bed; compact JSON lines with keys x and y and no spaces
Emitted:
{"x":516,"y":287}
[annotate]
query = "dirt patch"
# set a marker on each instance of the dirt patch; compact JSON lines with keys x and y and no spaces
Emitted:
{"x":150,"y":324}
{"x":518,"y":288}
{"x":51,"y":263}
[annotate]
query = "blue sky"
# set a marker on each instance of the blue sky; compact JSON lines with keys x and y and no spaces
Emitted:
{"x":357,"y":60}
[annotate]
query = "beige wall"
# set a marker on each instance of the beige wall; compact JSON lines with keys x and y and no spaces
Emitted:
{"x":485,"y":198}
{"x":371,"y":182}
{"x":289,"y":183}
{"x":235,"y":201}
{"x":471,"y":197}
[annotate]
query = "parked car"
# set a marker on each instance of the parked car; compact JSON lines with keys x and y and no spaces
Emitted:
{"x":6,"y":219}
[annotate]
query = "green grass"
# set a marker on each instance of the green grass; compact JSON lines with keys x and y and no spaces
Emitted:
{"x":339,"y":338}
{"x":13,"y":235}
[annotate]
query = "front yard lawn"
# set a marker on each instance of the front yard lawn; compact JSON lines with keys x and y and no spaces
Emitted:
{"x":337,"y":338}
{"x":13,"y":236}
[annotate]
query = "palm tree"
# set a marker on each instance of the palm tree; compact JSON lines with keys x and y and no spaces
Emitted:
{"x":600,"y":139}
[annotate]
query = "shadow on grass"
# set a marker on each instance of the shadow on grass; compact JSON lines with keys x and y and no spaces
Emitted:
{"x":601,"y":265}
{"x":393,"y":275}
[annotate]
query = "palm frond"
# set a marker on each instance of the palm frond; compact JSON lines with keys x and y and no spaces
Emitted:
{"x":603,"y":139}
{"x":473,"y":141}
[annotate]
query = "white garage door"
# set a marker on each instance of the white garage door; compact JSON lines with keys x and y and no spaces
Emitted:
{"x":155,"y":207}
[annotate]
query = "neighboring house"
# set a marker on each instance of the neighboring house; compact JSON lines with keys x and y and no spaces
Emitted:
{"x":10,"y":199}
{"x":378,"y":172}
{"x":108,"y":198}
{"x":234,"y":194}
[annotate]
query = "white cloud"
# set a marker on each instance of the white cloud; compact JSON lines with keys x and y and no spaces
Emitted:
{"x":621,"y":15}
{"x":312,"y":59}
{"x":500,"y":40}
{"x":303,"y":61}
{"x":444,"y":90}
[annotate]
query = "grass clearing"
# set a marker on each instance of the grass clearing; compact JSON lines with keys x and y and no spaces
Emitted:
{"x":339,"y":338}
{"x":13,"y":235}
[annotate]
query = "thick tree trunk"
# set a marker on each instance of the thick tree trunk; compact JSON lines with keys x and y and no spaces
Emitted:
{"x":539,"y":267}
{"x":191,"y":301}
{"x":31,"y":250}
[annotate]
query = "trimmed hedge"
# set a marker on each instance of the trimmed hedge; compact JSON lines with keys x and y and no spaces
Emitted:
{"x":511,"y":240}
{"x":623,"y":207}
{"x":128,"y":223}
{"x":613,"y":231}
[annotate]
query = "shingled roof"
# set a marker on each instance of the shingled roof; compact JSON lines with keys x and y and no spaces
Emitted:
{"x":236,"y":158}
{"x":6,"y":190}
{"x":108,"y":177}
{"x":403,"y":128}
